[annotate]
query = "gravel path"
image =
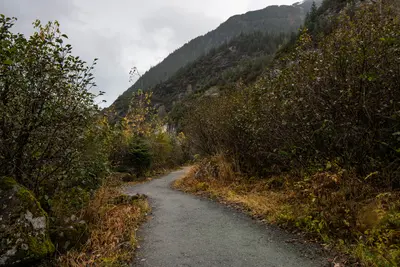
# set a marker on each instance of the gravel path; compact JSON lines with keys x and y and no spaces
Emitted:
{"x":185,"y":230}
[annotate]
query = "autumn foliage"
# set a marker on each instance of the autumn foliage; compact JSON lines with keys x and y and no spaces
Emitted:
{"x":331,"y":101}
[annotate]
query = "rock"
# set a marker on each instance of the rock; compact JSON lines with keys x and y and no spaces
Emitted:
{"x":69,"y":235}
{"x":24,"y":235}
{"x":189,"y":90}
{"x":212,"y":91}
{"x":68,"y":229}
{"x":162,"y":112}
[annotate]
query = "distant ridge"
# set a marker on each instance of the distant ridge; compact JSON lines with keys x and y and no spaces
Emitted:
{"x":272,"y":19}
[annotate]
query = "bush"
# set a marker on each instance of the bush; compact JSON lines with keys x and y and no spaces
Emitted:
{"x":47,"y":111}
{"x":139,"y":156}
{"x":334,"y":102}
{"x":52,"y":138}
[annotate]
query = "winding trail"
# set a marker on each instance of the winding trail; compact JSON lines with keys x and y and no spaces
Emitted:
{"x":185,"y":230}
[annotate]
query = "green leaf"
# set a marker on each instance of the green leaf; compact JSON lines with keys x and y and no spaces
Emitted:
{"x":8,"y":62}
{"x":328,"y":165}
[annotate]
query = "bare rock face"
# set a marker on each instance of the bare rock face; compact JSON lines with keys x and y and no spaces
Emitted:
{"x":213,"y":91}
{"x":24,"y":229}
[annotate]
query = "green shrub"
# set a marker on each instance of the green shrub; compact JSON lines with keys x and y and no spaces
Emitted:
{"x":139,"y":156}
{"x":47,"y":110}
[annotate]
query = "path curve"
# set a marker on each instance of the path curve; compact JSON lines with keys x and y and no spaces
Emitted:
{"x":184,"y":230}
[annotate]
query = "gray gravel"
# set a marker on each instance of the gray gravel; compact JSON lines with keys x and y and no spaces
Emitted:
{"x":184,"y":230}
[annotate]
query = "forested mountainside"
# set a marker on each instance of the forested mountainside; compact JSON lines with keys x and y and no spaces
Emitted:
{"x":243,"y":58}
{"x":272,"y":19}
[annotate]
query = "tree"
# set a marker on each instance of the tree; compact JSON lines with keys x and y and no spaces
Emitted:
{"x":311,"y":18}
{"x":46,"y":106}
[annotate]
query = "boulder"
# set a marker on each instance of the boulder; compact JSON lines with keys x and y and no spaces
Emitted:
{"x":24,"y":235}
{"x":72,"y":233}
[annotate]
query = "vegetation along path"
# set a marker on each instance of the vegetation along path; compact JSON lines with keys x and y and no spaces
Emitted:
{"x":189,"y":231}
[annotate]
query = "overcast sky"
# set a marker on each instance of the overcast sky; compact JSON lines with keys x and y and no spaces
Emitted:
{"x":126,"y":33}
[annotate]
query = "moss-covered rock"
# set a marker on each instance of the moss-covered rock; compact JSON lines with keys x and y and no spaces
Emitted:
{"x":24,"y":226}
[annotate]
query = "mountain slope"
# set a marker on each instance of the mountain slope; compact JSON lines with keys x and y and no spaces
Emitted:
{"x":272,"y":19}
{"x":241,"y":60}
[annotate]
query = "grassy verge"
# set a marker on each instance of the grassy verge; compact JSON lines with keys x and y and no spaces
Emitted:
{"x":113,"y":220}
{"x":350,"y":216}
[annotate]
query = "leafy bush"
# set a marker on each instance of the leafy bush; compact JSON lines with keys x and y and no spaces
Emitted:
{"x":53,"y":139}
{"x":47,"y":111}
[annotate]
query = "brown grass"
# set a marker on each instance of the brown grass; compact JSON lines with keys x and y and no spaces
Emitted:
{"x":349,"y":216}
{"x":252,"y":197}
{"x":112,"y":228}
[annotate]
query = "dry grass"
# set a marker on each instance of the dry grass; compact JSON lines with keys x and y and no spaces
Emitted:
{"x":350,"y":216}
{"x":112,"y":228}
{"x":252,"y":197}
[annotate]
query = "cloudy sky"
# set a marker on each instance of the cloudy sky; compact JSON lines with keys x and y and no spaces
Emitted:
{"x":126,"y":33}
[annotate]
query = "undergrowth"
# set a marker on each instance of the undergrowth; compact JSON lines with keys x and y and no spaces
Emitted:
{"x":331,"y":205}
{"x":113,"y":220}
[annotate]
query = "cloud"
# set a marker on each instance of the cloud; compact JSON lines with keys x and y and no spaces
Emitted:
{"x":26,"y":11}
{"x":126,"y":33}
{"x":180,"y":25}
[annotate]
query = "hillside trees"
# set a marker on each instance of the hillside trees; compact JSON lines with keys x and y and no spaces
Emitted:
{"x":334,"y":104}
{"x":311,"y":18}
{"x":241,"y":60}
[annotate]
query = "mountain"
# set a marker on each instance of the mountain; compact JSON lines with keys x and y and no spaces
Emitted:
{"x":272,"y":19}
{"x":241,"y":60}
